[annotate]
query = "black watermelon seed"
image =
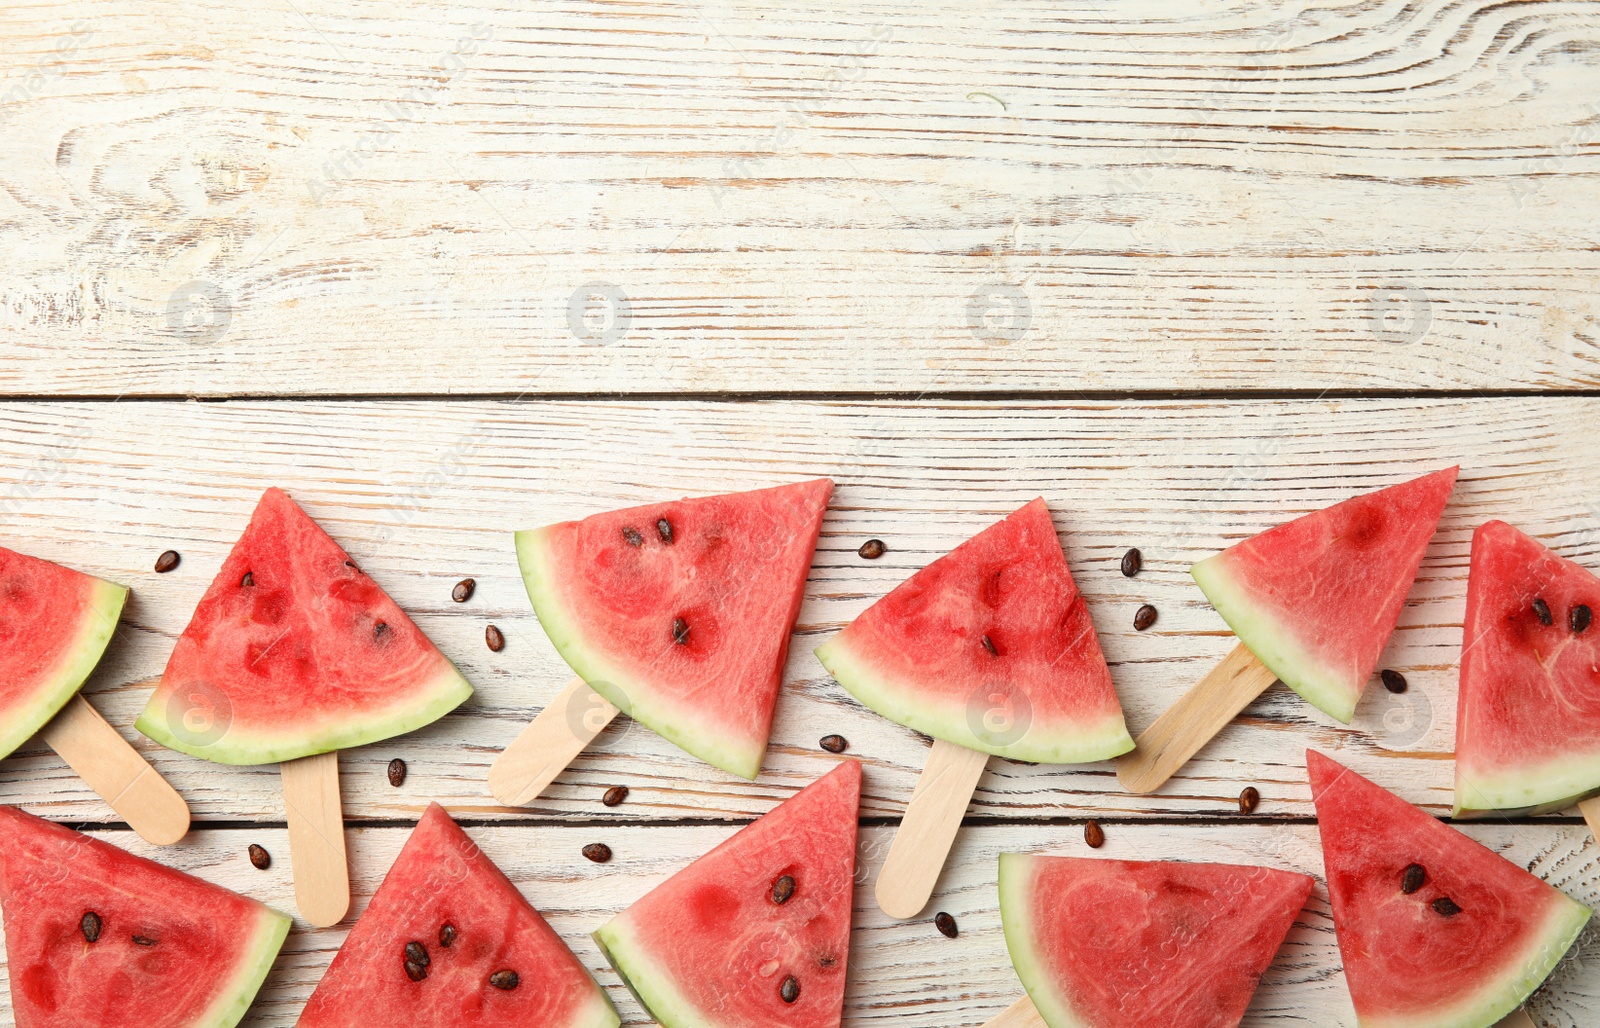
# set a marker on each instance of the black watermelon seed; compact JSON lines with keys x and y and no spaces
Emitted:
{"x":143,"y":940}
{"x":1094,"y":835}
{"x":495,"y":639}
{"x":1579,"y":617}
{"x":447,"y":935}
{"x":1413,"y":878}
{"x":988,"y":644}
{"x":248,"y":580}
{"x":1144,"y":617}
{"x":834,"y":743}
{"x":680,"y":631}
{"x":417,"y":953}
{"x":90,"y":926}
{"x":1132,"y":561}
{"x":615,"y":795}
{"x":505,"y":981}
{"x":598,"y":852}
{"x":633,"y":537}
{"x":1444,"y":906}
{"x":168,"y":560}
{"x":946,"y":925}
{"x":872,"y":549}
{"x":380,"y":630}
{"x":664,"y":530}
{"x":259,"y":857}
{"x":1542,"y":610}
{"x":790,"y":989}
{"x":783,"y":890}
{"x":397,"y":772}
{"x":415,"y":971}
{"x":1249,"y":799}
{"x":827,"y":960}
{"x":352,"y":566}
{"x":1393,"y":680}
{"x":463,"y":590}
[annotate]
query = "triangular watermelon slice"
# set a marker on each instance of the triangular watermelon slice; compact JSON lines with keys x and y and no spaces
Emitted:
{"x":1528,"y":720}
{"x":989,"y":647}
{"x":1135,"y":944}
{"x":1435,"y":929}
{"x":448,"y":940}
{"x":1316,"y":599}
{"x":98,"y":936}
{"x":756,"y":933}
{"x":294,"y":651}
{"x":54,"y":627}
{"x":680,"y":613}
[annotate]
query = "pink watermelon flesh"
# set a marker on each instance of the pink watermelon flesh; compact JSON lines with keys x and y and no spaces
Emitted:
{"x":1317,"y":599}
{"x":1528,"y":722}
{"x":443,"y":879}
{"x":1042,"y":692}
{"x":54,"y":626}
{"x":1131,"y":944}
{"x":680,"y":613}
{"x":294,"y":651}
{"x":1407,"y":963}
{"x":710,"y":948}
{"x":173,"y":951}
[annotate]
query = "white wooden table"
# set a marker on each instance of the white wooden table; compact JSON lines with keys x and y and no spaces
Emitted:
{"x":448,"y":270}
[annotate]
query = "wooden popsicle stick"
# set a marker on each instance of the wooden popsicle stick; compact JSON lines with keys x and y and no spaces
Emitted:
{"x":1518,"y":1018}
{"x":316,"y":838}
{"x":1021,"y":1014}
{"x":550,"y":742}
{"x":115,"y":770}
{"x":1190,"y":723}
{"x":1590,"y":809}
{"x":928,"y":830}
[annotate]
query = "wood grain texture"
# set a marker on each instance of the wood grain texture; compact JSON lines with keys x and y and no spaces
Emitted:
{"x":551,"y":742}
{"x":902,"y":973}
{"x":117,"y":773}
{"x":203,"y":199}
{"x":315,"y":829}
{"x":424,"y":493}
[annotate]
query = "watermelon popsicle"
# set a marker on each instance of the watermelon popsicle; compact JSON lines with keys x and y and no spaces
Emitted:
{"x":677,"y":613}
{"x":1313,"y":603}
{"x":55,"y":624}
{"x":990,"y":650}
{"x":292,"y":655}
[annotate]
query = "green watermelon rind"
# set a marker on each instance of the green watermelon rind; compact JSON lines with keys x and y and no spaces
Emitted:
{"x":649,"y":983}
{"x":83,"y":655}
{"x":431,"y":700}
{"x":253,"y":966}
{"x":1272,"y":643}
{"x":1543,"y":789}
{"x":1496,"y":999}
{"x":625,"y":692}
{"x":905,"y":705}
{"x":1017,"y":921}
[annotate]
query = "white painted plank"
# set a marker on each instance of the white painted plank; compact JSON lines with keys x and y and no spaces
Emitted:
{"x":372,"y":197}
{"x":902,"y":973}
{"x":424,"y":493}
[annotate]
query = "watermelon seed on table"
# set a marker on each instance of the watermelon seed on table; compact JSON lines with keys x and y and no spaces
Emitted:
{"x":494,"y":638}
{"x":397,"y":772}
{"x":872,"y":549}
{"x":598,"y":852}
{"x":615,"y":795}
{"x":1144,"y":617}
{"x":1393,"y":680}
{"x":259,"y":857}
{"x":505,"y":981}
{"x":946,"y":925}
{"x":1094,"y":835}
{"x":1132,"y":561}
{"x":1541,"y":610}
{"x":168,"y":561}
{"x":463,"y":590}
{"x":1249,"y":799}
{"x":790,"y":989}
{"x":1578,"y":618}
{"x":1413,"y":878}
{"x":89,"y":925}
{"x":447,"y":935}
{"x":834,"y":743}
{"x":783,"y":890}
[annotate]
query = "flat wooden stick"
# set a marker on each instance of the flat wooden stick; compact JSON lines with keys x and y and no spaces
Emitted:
{"x":1518,"y":1018}
{"x":550,"y":742}
{"x":928,"y":830}
{"x":1590,"y":809}
{"x":316,"y":838}
{"x":1190,"y":723}
{"x":115,"y":770}
{"x":1021,"y":1014}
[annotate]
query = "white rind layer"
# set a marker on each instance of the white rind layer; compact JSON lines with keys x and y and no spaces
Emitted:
{"x":80,"y":656}
{"x":646,"y":979}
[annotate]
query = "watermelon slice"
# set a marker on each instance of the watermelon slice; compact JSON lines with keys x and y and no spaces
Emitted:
{"x":989,"y":647}
{"x":168,"y":950}
{"x":714,"y":947}
{"x":1528,"y":724}
{"x":488,"y":960}
{"x":1471,"y":939}
{"x":680,"y":613}
{"x":1131,"y":944}
{"x":1317,"y":599}
{"x":54,"y":626}
{"x":294,"y":651}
